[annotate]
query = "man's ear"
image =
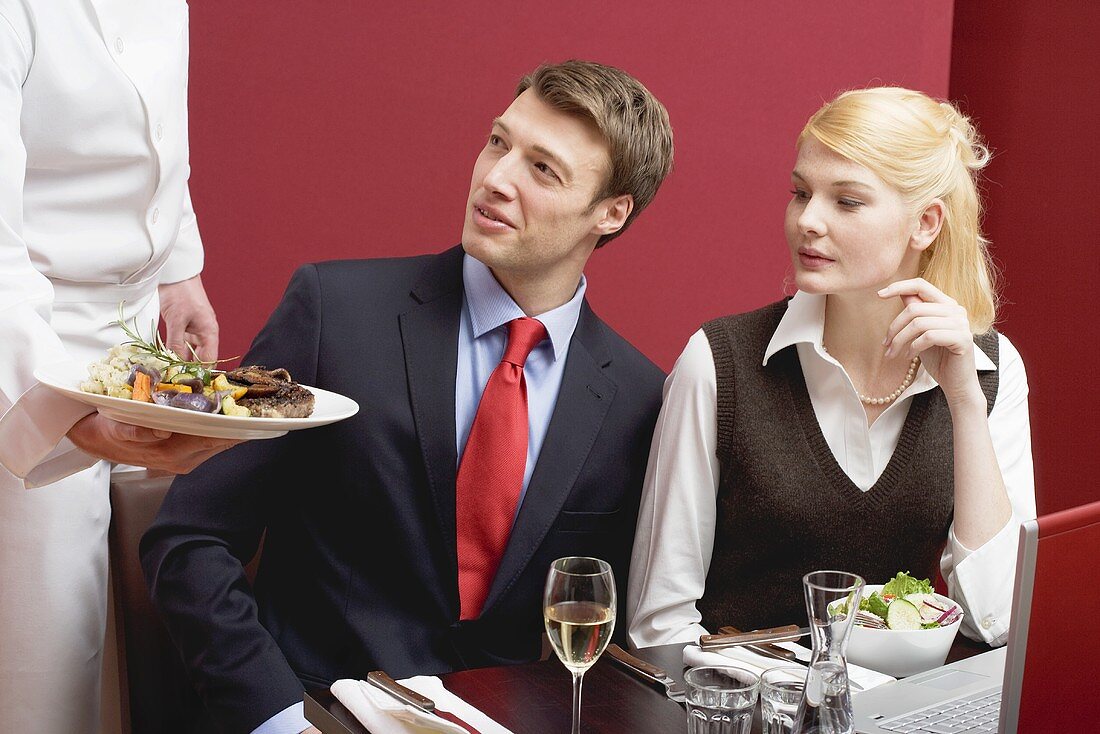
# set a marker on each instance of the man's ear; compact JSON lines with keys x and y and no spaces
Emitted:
{"x":613,"y":212}
{"x":929,"y":225}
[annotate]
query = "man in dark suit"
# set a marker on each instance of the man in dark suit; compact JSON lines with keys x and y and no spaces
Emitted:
{"x":502,"y":425}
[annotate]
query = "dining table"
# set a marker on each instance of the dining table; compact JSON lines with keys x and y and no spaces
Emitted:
{"x":536,"y":698}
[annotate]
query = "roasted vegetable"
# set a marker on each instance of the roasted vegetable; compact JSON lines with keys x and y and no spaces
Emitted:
{"x":186,"y":400}
{"x":151,"y":373}
{"x":230,"y":407}
{"x":143,"y":387}
{"x":186,"y":378}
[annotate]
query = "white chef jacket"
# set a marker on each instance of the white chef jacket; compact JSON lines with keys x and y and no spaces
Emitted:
{"x":669,"y":566}
{"x":94,"y":205}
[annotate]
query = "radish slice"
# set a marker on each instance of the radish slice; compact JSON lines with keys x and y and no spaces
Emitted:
{"x":947,"y":615}
{"x":926,"y":604}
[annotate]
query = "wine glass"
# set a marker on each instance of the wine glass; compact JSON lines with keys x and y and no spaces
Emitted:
{"x":578,"y":606}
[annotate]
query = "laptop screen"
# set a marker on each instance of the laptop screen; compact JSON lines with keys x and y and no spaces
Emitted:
{"x":1061,"y":637}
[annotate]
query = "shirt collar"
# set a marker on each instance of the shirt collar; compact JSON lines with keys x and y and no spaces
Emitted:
{"x":490,"y":306}
{"x":804,"y":322}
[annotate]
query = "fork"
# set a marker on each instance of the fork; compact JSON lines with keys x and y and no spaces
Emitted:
{"x":866,"y":619}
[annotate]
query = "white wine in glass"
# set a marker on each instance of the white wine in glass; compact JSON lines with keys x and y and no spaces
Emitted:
{"x":579,"y":611}
{"x":579,"y":631}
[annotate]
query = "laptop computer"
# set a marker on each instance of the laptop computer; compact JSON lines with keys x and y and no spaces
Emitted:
{"x":1043,"y":680}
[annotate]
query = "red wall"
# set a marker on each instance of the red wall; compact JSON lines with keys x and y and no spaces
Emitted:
{"x":348,"y":129}
{"x":1027,"y":73}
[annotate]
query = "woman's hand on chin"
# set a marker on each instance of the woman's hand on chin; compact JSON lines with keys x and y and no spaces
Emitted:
{"x":936,"y":328}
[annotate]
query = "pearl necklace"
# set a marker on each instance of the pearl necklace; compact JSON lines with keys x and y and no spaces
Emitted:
{"x":909,"y":376}
{"x":901,"y":388}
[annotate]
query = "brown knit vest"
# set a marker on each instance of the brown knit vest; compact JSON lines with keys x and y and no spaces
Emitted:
{"x":785,"y":507}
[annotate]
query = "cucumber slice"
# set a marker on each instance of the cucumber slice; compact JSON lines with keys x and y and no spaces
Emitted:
{"x":902,"y":615}
{"x":929,"y":607}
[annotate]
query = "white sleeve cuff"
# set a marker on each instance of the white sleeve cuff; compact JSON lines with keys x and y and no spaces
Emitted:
{"x":982,"y":581}
{"x":290,"y":720}
{"x":959,"y":551}
{"x":31,"y":430}
{"x":64,"y":461}
{"x":676,"y":634}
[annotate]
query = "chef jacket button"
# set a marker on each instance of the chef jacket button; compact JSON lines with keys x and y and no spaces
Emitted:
{"x":118,"y":45}
{"x":160,"y":131}
{"x":156,"y":215}
{"x":987,"y":623}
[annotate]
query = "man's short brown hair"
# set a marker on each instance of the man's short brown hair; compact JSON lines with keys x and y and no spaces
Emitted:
{"x":634,"y":123}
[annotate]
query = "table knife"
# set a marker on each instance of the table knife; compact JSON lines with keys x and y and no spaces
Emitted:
{"x":765,"y":648}
{"x":381,"y":680}
{"x":648,"y":671}
{"x":788,"y":633}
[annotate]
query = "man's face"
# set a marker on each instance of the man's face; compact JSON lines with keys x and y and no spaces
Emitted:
{"x":530,"y":215}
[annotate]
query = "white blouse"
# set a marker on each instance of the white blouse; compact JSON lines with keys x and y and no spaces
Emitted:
{"x":94,"y":204}
{"x":676,"y":523}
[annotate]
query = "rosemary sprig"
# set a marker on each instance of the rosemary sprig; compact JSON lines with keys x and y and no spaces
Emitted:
{"x":157,"y":348}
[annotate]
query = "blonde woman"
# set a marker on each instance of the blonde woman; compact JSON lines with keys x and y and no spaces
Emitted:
{"x":875,"y":422}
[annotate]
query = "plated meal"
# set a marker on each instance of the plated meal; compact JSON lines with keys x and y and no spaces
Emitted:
{"x":144,"y":383}
{"x":148,"y":371}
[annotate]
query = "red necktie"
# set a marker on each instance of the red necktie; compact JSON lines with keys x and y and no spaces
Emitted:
{"x":490,"y":475}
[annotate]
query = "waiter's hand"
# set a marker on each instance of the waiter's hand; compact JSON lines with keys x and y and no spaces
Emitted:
{"x":123,"y":443}
{"x":189,"y":319}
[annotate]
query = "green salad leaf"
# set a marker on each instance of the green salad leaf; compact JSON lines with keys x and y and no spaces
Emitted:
{"x":874,"y":603}
{"x":903,"y":584}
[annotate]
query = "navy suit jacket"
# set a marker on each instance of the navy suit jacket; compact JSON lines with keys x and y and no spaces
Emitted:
{"x":359,"y":564}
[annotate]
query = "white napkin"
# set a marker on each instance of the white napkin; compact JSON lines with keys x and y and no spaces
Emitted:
{"x":384,"y":714}
{"x":693,"y":655}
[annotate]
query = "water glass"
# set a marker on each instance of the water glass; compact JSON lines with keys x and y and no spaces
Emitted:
{"x":780,"y":693}
{"x":720,"y":700}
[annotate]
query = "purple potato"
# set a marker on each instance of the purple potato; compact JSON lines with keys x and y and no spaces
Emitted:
{"x":153,"y":374}
{"x":194,"y":383}
{"x":163,"y":397}
{"x":191,"y":401}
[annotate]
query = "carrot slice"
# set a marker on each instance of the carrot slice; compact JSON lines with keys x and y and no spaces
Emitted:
{"x":143,"y":388}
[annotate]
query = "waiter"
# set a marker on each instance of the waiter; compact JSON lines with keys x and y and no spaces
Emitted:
{"x":94,"y":211}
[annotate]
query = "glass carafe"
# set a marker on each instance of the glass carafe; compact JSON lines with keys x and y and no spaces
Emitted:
{"x":832,"y":598}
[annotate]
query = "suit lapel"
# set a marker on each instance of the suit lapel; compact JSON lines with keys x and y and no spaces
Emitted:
{"x":429,"y":333}
{"x":583,"y":401}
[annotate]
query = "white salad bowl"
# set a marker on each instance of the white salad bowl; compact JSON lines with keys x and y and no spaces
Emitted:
{"x":901,"y":652}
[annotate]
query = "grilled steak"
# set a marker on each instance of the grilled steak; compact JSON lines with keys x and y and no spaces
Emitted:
{"x":271,"y":393}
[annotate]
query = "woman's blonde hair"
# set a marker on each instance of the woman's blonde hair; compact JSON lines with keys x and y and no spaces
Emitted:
{"x":926,"y":150}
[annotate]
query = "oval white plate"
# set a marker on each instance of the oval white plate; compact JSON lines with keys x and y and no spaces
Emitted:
{"x":65,"y":378}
